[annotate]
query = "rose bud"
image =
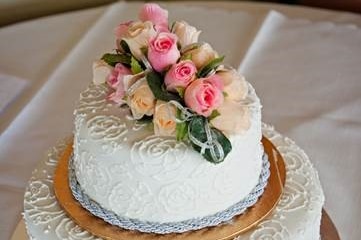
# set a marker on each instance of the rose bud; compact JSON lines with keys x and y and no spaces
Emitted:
{"x":202,"y":55}
{"x":204,"y":95}
{"x":101,"y":71}
{"x":233,"y":119}
{"x":163,"y":51}
{"x":186,"y":33}
{"x":157,"y":15}
{"x":180,"y":75}
{"x":137,"y":37}
{"x":141,"y":101}
{"x":164,"y":119}
{"x":116,"y":77}
{"x":235,"y":85}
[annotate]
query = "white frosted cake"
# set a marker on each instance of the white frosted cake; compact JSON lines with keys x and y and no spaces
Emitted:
{"x":123,"y":166}
{"x":166,"y":132}
{"x":167,"y":139}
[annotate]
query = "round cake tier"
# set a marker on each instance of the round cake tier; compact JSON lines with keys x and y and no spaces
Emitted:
{"x":121,"y":165}
{"x":297,"y":215}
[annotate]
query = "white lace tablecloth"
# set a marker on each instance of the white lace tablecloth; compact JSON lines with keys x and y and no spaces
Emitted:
{"x":306,"y":71}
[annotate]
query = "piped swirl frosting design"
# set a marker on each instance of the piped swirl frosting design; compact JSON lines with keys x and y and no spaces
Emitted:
{"x":166,"y":154}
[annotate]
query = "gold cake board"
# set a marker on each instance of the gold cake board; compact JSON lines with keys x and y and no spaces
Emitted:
{"x":254,"y":215}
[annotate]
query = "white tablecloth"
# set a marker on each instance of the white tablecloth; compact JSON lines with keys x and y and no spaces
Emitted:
{"x":306,"y":73}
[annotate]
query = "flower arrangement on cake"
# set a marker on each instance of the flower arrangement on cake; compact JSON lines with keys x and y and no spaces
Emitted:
{"x":167,"y":77}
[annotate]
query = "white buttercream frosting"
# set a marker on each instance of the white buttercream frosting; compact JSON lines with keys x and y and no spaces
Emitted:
{"x":128,"y":170}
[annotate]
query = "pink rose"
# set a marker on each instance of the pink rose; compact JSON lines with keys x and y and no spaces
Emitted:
{"x":163,"y":51}
{"x":116,"y":76}
{"x":157,"y":15}
{"x":118,"y":95}
{"x":204,"y":95}
{"x":122,"y":29}
{"x":180,"y":75}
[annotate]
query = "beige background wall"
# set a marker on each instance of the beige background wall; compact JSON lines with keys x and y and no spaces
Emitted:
{"x":17,"y":10}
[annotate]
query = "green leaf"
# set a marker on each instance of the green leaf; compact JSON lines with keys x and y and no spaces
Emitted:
{"x":225,"y":94}
{"x":213,"y":64}
{"x":155,"y":82}
{"x":180,"y":91}
{"x":125,"y":46}
{"x":112,"y":59}
{"x":135,"y":66}
{"x":213,"y":115}
{"x":181,"y":128}
{"x":196,"y":128}
{"x":145,"y":119}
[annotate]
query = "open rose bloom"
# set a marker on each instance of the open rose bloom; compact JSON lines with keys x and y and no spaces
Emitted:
{"x":161,"y":71}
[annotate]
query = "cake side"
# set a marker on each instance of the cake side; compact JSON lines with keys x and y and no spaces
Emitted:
{"x":124,"y":167}
{"x":298,"y":214}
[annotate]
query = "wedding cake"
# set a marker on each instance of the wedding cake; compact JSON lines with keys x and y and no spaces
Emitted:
{"x":167,"y":139}
{"x":172,"y":135}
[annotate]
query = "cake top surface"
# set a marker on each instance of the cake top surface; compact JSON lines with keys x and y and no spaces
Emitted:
{"x":165,"y":76}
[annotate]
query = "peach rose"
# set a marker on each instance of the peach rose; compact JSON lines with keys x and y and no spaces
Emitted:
{"x":129,"y":80}
{"x":138,"y":35}
{"x":163,"y":51}
{"x":204,"y":95}
{"x":186,"y":33}
{"x":157,"y":15}
{"x":141,"y":101}
{"x":101,"y":71}
{"x":164,"y":119}
{"x":233,"y":119}
{"x":180,"y":75}
{"x":116,"y":77}
{"x":202,"y":55}
{"x":235,"y":85}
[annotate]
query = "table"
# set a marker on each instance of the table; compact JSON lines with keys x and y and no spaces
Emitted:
{"x":26,"y":136}
{"x":328,"y":229}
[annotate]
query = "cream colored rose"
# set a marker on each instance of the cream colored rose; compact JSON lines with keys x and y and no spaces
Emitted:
{"x":164,"y":119}
{"x":141,"y":100}
{"x":235,"y":85}
{"x":233,"y":119}
{"x":186,"y":33}
{"x":202,"y":55}
{"x":129,"y":80}
{"x":137,"y":36}
{"x":101,"y":71}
